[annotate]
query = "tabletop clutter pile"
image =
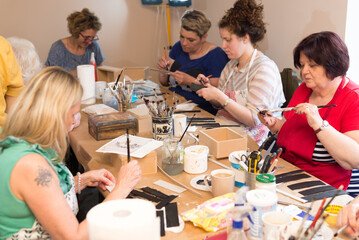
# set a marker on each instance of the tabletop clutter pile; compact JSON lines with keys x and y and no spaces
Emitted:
{"x":253,"y":205}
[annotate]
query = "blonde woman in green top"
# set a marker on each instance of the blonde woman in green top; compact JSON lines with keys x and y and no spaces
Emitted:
{"x":38,"y":191}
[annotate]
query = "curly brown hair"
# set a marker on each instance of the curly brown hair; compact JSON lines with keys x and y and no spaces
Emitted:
{"x":245,"y":17}
{"x":80,"y":21}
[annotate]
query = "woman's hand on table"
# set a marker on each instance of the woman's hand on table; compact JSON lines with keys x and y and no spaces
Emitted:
{"x":101,"y":178}
{"x":311,"y":112}
{"x":348,"y":215}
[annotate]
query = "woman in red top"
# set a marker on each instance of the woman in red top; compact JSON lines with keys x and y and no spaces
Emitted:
{"x":323,"y":142}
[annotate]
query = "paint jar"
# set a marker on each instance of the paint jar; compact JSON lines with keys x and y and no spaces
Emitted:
{"x":266,"y":181}
{"x":264,"y":201}
{"x":195,"y":159}
{"x":172,"y":156}
{"x":162,"y":128}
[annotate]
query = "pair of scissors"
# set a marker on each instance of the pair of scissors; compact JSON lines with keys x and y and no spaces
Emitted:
{"x":254,"y":158}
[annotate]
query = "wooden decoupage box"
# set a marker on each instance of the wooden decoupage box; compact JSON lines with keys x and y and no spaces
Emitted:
{"x":222,"y":141}
{"x":111,"y":125}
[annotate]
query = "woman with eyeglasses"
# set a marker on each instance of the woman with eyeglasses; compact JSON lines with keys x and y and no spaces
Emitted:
{"x":76,"y":49}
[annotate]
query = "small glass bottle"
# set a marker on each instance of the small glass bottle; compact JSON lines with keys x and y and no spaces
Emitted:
{"x":266,"y":181}
{"x":172,"y":156}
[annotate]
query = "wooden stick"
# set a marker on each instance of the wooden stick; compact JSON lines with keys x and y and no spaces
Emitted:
{"x":218,"y":163}
{"x":179,"y":183}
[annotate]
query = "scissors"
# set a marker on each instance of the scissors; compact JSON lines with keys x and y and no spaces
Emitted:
{"x":254,"y":158}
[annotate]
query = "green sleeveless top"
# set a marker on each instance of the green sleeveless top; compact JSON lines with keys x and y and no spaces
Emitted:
{"x":17,"y":215}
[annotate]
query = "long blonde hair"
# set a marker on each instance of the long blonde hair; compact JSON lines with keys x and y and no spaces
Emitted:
{"x":40,"y":113}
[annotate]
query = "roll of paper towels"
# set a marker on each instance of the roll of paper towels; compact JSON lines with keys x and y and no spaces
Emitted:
{"x":86,"y":74}
{"x":130,"y":219}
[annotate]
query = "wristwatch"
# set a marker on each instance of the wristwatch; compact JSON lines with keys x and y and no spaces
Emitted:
{"x":324,"y":125}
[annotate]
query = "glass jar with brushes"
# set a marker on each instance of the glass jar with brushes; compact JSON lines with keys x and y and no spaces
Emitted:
{"x":123,"y":93}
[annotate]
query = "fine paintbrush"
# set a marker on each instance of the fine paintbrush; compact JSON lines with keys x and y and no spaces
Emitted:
{"x":128,"y":147}
{"x":289,"y":109}
{"x":118,"y":78}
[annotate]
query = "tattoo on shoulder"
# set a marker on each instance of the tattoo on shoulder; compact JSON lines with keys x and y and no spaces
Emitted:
{"x":44,"y":177}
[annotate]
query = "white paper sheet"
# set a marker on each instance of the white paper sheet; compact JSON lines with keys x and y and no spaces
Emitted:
{"x":139,"y":146}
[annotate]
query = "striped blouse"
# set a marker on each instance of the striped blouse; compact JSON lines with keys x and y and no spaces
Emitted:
{"x":264,"y":85}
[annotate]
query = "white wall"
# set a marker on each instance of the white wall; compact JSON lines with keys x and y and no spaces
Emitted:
{"x":129,"y":36}
{"x":352,"y":39}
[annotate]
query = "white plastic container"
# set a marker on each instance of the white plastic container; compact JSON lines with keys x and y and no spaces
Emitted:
{"x":264,"y":201}
{"x":266,"y":181}
{"x":195,"y":159}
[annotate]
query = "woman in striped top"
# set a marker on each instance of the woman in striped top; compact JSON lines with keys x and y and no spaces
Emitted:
{"x":250,"y":80}
{"x":323,"y":142}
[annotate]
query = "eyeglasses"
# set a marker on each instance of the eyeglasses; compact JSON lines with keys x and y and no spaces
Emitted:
{"x":89,"y":38}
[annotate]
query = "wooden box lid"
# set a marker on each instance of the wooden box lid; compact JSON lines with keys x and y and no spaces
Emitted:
{"x":117,"y":118}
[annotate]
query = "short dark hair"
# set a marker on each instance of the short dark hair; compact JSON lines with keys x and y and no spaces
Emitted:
{"x":326,"y":49}
{"x":195,"y":21}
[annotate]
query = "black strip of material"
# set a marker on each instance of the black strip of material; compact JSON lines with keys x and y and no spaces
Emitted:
{"x":317,"y":190}
{"x":301,"y":185}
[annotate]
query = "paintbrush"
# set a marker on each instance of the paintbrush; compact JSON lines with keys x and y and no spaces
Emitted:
{"x":118,"y":78}
{"x":184,"y":132}
{"x":128,"y":147}
{"x":315,"y":230}
{"x":300,"y":229}
{"x":340,"y":230}
{"x":263,"y":112}
{"x":330,"y":201}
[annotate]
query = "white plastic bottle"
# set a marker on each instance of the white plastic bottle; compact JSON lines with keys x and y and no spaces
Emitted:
{"x":237,"y":232}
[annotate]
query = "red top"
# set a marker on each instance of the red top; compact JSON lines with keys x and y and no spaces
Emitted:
{"x":298,"y":139}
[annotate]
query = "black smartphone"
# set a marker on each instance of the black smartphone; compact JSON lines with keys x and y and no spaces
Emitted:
{"x":195,"y":87}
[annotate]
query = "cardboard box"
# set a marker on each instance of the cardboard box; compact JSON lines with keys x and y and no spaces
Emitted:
{"x":110,"y":74}
{"x":222,"y":141}
{"x":111,"y":125}
{"x":144,"y":120}
{"x":148,"y":164}
{"x":107,"y":73}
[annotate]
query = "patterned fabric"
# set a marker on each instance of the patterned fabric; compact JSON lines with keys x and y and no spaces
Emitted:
{"x":60,"y":56}
{"x":320,"y":154}
{"x":263,"y":90}
{"x":353,"y":188}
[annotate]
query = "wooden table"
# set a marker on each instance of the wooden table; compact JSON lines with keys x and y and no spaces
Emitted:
{"x":85,"y":146}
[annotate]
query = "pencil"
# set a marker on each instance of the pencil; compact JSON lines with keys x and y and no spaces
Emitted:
{"x":164,"y":51}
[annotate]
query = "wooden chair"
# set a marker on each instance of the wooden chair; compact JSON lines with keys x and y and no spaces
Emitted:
{"x":290,"y":82}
